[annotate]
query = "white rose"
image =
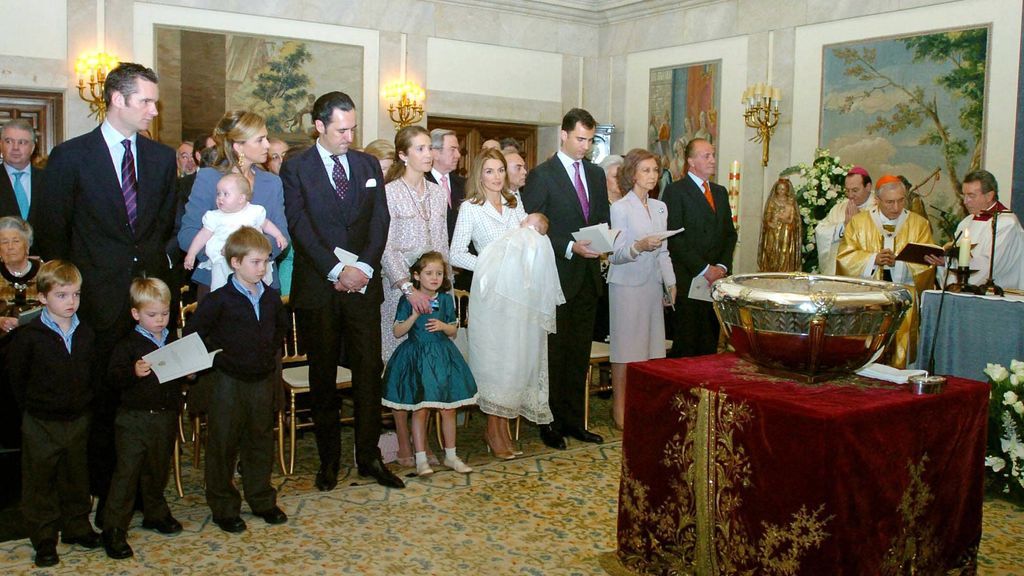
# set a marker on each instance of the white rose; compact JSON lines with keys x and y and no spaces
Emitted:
{"x":810,"y":246}
{"x":838,"y":170}
{"x":1016,"y":366}
{"x":1016,"y":379}
{"x":1018,"y":407}
{"x":996,"y":372}
{"x":995,"y":463}
{"x":1009,"y":398}
{"x":821,"y":201}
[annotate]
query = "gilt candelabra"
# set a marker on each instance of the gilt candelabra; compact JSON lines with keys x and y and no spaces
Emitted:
{"x":761,"y":112}
{"x":92,"y":69}
{"x":405,"y":103}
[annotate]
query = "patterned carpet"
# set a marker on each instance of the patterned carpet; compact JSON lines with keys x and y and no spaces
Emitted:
{"x":546,"y":513}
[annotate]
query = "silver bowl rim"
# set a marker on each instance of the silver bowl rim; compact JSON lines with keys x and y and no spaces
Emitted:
{"x":731,"y":287}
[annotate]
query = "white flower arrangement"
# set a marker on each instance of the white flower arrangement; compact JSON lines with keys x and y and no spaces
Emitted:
{"x":1005,"y":454}
{"x":823,"y":182}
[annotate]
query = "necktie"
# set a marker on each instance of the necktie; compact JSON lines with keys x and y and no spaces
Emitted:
{"x":447,"y":189}
{"x":340,"y":178}
{"x":129,"y":185}
{"x":581,"y":193}
{"x":20,"y":195}
{"x":708,"y":196}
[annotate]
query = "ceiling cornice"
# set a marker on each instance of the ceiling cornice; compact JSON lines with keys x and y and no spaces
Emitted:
{"x":589,"y":12}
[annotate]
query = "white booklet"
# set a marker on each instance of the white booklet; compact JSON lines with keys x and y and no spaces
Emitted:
{"x":700,"y":289}
{"x":180,"y":358}
{"x":347,"y":259}
{"x":666,"y":234}
{"x":602,"y":238}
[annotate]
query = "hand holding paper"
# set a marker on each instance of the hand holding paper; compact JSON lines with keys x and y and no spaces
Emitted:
{"x":180,"y":358}
{"x":348,"y":259}
{"x":600,"y":236}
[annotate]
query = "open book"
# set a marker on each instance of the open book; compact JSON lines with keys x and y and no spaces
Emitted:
{"x":602,"y":238}
{"x":915,"y":253}
{"x":180,"y":358}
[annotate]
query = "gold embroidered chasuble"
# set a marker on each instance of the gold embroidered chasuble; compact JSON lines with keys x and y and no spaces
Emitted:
{"x":863,"y":239}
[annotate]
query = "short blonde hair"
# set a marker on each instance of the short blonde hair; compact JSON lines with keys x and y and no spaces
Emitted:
{"x":243,"y":241}
{"x":149,"y":291}
{"x":56,"y":273}
{"x":243,"y":183}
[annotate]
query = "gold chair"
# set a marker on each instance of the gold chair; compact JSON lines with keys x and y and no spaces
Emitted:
{"x":295,"y":379}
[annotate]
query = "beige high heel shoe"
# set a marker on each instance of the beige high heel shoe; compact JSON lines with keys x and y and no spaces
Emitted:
{"x":500,"y":454}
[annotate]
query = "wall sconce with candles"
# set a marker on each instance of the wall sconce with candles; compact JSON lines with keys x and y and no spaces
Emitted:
{"x":761,"y":112}
{"x":405,"y":103}
{"x":92,"y":69}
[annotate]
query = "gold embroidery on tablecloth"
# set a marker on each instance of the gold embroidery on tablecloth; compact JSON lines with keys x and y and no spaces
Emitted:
{"x":914,"y":548}
{"x":750,"y":372}
{"x":698,"y":529}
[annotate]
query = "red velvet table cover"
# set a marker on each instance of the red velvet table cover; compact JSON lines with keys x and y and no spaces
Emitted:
{"x":726,"y":470}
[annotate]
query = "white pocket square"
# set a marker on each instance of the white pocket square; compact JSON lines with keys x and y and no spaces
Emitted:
{"x":371,"y":182}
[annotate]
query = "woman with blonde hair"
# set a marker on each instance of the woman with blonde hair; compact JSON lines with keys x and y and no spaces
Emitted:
{"x":240,"y":146}
{"x":418,"y":210}
{"x":383,"y":151}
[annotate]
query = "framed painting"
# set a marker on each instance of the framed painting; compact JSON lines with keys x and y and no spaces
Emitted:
{"x":683,"y":104}
{"x":910,"y":105}
{"x":205,"y":73}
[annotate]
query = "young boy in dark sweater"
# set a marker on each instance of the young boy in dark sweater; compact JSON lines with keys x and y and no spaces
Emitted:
{"x":48,"y":363}
{"x":245,"y":319}
{"x":147,"y":421}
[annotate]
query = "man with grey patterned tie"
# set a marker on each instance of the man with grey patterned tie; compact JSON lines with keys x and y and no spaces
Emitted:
{"x":110,"y":199}
{"x":24,"y":181}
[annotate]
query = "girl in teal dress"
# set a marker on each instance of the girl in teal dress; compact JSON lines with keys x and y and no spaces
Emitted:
{"x":427,"y":370}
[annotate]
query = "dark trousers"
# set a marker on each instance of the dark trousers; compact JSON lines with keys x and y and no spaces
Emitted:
{"x":695,"y":328}
{"x":145,"y":444}
{"x":102,"y":448}
{"x":55,"y":478}
{"x":569,"y":356}
{"x":321,"y":330}
{"x":241,"y":427}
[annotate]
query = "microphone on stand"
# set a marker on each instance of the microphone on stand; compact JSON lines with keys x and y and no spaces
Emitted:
{"x":942,"y":299}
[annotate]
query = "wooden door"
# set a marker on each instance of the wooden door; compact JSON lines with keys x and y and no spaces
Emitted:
{"x":45,"y":110}
{"x":473,"y":133}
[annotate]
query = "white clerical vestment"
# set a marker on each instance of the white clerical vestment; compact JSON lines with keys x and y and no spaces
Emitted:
{"x":830,"y":231}
{"x":1008,"y":271}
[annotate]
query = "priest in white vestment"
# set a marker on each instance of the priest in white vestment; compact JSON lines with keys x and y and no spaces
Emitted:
{"x":981,"y":199}
{"x":830,"y":230}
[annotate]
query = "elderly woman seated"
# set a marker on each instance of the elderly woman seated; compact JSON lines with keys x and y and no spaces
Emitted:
{"x":17,"y":271}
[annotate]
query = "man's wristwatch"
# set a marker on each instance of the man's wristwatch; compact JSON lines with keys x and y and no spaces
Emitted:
{"x":406,"y":288}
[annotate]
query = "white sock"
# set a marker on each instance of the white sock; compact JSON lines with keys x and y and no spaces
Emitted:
{"x":421,"y":458}
{"x":449,"y":453}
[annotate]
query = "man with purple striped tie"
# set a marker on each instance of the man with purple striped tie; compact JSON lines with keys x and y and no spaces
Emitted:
{"x":110,"y":199}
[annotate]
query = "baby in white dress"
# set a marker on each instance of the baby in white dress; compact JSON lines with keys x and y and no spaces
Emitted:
{"x":233,"y":211}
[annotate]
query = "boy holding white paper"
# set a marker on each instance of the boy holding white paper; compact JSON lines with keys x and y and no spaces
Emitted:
{"x":146,"y":422}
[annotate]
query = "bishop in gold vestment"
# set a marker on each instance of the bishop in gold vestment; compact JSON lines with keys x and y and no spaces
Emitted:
{"x":872,"y":240}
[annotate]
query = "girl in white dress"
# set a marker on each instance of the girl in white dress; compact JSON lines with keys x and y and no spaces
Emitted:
{"x":234,"y":210}
{"x":512,"y":301}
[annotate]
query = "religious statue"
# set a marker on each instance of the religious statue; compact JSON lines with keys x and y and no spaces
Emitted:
{"x":779,"y":250}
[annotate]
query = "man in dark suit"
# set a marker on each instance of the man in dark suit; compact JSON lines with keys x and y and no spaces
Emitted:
{"x":572,"y":193}
{"x":23,"y":184}
{"x":110,"y":198}
{"x":703,"y":249}
{"x":444,"y":150}
{"x":333,"y":198}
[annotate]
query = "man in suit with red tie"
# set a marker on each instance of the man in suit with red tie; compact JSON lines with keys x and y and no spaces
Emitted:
{"x":572,"y":193}
{"x":110,"y":200}
{"x":24,"y":182}
{"x":333,"y":198}
{"x":703,"y":249}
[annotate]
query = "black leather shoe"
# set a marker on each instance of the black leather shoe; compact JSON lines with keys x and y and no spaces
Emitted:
{"x":551,"y":438}
{"x":584,"y":435}
{"x":166,"y":525}
{"x":326,"y":479}
{"x":380,"y":472}
{"x":273,"y":516}
{"x":115,"y":542}
{"x":88,"y":540}
{"x":232,"y":525}
{"x":46,"y":554}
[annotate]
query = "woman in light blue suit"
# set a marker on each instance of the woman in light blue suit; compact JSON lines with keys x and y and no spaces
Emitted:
{"x":640,"y":279}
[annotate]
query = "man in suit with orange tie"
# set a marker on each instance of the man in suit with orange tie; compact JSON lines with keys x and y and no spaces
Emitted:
{"x":704,"y":249}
